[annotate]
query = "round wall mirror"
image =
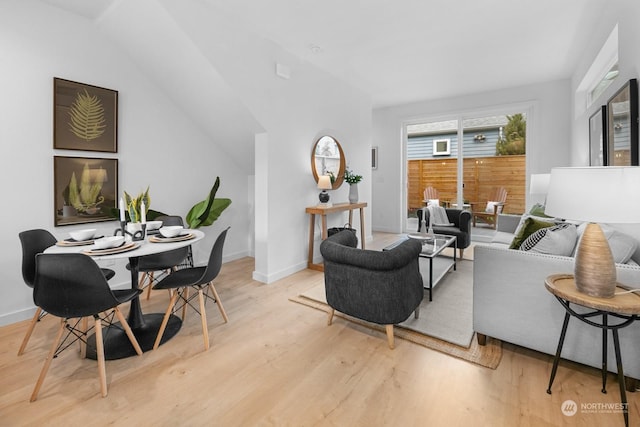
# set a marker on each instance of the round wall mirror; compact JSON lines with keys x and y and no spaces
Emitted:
{"x":327,"y":157}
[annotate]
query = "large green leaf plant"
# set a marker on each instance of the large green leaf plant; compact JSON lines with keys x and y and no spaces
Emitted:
{"x":206,"y":212}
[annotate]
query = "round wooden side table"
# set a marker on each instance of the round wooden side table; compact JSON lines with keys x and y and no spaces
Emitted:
{"x":624,"y":309}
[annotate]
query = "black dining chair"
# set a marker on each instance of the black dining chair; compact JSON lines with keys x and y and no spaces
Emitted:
{"x":34,"y":242}
{"x":164,"y":262}
{"x":201,"y":279}
{"x":72,"y":287}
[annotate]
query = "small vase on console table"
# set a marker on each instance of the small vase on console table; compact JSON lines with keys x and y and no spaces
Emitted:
{"x":353,"y":193}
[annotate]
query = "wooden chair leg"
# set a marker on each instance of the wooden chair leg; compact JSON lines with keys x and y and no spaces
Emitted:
{"x":128,"y":331}
{"x":215,"y":295}
{"x":461,"y":253}
{"x":330,"y":318}
{"x":27,"y":336}
{"x":150,"y":278}
{"x":389,"y":329}
{"x":84,"y":325}
{"x":203,"y":319}
{"x":102,"y":370}
{"x":184,"y":307}
{"x":416,"y":313}
{"x":47,"y":362}
{"x":165,"y":319}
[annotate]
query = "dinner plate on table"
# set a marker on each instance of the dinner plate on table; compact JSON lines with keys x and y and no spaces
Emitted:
{"x":162,"y":239}
{"x":74,"y":242}
{"x":109,"y":251}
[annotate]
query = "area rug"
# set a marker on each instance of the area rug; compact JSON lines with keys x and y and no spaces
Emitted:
{"x":444,"y":324}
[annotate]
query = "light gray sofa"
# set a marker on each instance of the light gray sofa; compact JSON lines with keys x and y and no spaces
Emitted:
{"x":511,"y":303}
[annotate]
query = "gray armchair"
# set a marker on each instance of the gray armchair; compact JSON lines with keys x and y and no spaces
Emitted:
{"x":382,"y":287}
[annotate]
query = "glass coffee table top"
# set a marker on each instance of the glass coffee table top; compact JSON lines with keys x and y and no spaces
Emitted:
{"x":432,"y":245}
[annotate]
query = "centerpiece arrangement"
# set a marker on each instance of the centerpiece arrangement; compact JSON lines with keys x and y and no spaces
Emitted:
{"x":352,"y":179}
{"x":136,"y":209}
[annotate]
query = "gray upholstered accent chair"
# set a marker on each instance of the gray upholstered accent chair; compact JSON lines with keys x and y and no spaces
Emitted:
{"x":382,"y":287}
{"x":461,"y":227}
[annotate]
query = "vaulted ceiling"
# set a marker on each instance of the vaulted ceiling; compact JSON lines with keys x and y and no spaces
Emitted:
{"x":403,"y":51}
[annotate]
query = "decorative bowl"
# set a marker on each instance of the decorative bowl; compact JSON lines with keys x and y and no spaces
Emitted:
{"x":153,"y":225}
{"x":80,"y":235}
{"x":108,"y":242}
{"x":171,"y":231}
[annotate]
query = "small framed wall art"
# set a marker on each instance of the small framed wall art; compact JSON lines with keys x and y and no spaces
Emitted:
{"x":374,"y":157}
{"x":85,"y":117}
{"x":85,"y":189}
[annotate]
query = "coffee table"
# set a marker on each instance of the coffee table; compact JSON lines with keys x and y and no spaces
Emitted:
{"x":432,"y":247}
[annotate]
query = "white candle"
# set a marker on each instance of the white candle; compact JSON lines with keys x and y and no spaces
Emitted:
{"x":143,"y":213}
{"x":122,"y":218}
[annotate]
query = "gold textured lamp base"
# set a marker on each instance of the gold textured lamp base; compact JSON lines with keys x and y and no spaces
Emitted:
{"x":595,"y":270}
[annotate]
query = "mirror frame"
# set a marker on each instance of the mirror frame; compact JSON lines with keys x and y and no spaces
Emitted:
{"x":627,"y":94}
{"x":340,"y":177}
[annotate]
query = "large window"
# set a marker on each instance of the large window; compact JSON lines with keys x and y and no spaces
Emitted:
{"x":484,"y":153}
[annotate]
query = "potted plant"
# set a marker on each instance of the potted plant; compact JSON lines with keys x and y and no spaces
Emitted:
{"x":352,"y":179}
{"x":205,"y":213}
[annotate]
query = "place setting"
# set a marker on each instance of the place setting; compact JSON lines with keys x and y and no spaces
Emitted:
{"x":80,"y":238}
{"x":110,"y":245}
{"x":169,"y":234}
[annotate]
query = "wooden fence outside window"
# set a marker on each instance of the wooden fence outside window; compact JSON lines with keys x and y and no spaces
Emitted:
{"x":481,"y":176}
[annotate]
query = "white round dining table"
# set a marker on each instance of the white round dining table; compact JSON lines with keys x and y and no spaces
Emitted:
{"x":144,"y":326}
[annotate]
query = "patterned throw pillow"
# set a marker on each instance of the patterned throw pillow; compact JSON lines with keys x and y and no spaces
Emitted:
{"x":556,"y":240}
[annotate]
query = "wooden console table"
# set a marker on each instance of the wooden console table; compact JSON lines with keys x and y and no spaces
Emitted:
{"x":323,"y":212}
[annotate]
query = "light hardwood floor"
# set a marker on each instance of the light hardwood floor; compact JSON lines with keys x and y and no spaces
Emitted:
{"x":277,"y":363}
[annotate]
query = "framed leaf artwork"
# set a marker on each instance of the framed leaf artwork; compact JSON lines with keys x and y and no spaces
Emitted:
{"x":85,"y":117}
{"x":85,"y":189}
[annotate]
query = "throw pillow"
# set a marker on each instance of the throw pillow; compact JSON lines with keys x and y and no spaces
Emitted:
{"x":526,"y":228}
{"x":622,"y":245}
{"x":538,"y":210}
{"x":491,"y":205}
{"x":557,"y":240}
{"x":433,"y":202}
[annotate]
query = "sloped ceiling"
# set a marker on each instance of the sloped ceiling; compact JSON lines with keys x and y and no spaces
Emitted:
{"x":410,"y":50}
{"x":396,"y":51}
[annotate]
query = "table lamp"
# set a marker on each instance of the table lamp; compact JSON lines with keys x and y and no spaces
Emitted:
{"x":539,"y":183}
{"x":606,"y":194}
{"x":324,"y":183}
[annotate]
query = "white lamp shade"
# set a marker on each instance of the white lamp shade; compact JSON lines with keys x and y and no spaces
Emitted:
{"x":539,"y":183}
{"x":609,"y":194}
{"x":324,"y":182}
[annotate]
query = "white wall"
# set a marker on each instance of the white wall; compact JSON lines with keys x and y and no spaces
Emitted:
{"x":158,"y":144}
{"x":162,"y":141}
{"x":548,"y":143}
{"x":625,"y":13}
{"x":294,"y":112}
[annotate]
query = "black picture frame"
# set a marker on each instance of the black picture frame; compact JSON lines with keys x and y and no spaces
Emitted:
{"x":622,"y":126}
{"x":85,"y":117}
{"x":85,"y":189}
{"x":598,"y":137}
{"x":374,"y":157}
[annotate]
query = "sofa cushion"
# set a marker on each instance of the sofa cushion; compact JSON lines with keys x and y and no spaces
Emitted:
{"x":527,"y":227}
{"x":556,"y":240}
{"x":502,"y":238}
